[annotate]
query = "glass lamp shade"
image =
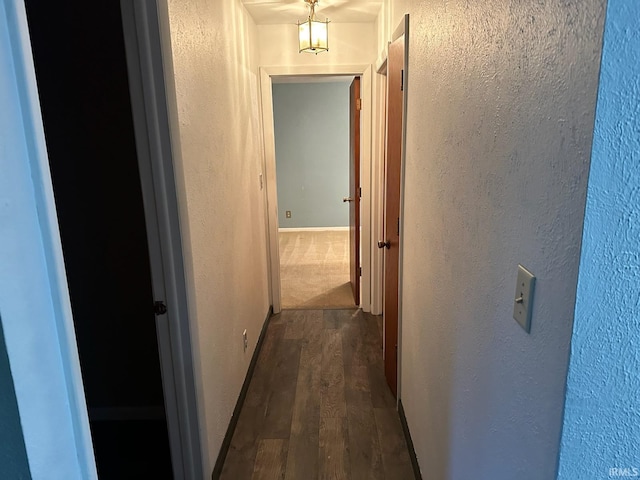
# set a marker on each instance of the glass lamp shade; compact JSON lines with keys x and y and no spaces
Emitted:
{"x":313,"y":36}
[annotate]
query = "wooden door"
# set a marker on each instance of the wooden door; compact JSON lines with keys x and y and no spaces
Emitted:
{"x":354,"y":188}
{"x":81,"y":72}
{"x":391,"y":243}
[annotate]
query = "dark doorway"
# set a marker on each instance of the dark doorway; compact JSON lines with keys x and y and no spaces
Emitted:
{"x":81,"y":72}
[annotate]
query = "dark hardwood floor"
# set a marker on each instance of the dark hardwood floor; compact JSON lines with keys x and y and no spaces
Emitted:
{"x":318,"y":405}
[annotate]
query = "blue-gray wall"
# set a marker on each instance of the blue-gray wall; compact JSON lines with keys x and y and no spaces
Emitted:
{"x":13,"y":456}
{"x":601,"y":434}
{"x":311,"y":122}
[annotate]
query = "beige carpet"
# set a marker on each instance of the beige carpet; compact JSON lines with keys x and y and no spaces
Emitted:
{"x":314,"y":269}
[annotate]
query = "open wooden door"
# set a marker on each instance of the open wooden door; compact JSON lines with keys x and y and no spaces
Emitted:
{"x":354,"y":188}
{"x":391,"y":242}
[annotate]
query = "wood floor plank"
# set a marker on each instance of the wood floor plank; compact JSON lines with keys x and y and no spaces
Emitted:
{"x":260,"y":385}
{"x":298,"y":322}
{"x":281,"y":391}
{"x":381,"y":395}
{"x":276,"y":318}
{"x":332,"y":400}
{"x":270,"y":463}
{"x":371,"y":339}
{"x":357,"y":389}
{"x":334,"y":319}
{"x":333,"y":453}
{"x":312,"y":334}
{"x":302,"y":461}
{"x":395,"y":453}
{"x":353,"y":347}
{"x":364,"y":449}
{"x":244,"y":443}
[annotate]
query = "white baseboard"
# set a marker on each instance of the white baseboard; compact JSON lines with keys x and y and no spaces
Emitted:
{"x":314,"y":229}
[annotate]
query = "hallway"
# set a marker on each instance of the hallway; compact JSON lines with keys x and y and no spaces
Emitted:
{"x":318,"y":405}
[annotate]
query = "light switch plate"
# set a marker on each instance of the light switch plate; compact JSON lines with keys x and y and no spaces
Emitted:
{"x":523,"y":299}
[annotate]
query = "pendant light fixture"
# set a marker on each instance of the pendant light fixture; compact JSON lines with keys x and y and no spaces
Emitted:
{"x":313,"y":35}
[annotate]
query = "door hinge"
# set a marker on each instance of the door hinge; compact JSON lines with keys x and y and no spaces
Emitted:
{"x":360,"y":192}
{"x":398,"y":227}
{"x":359,"y":271}
{"x":159,"y":308}
{"x":358,"y":104}
{"x":402,"y":80}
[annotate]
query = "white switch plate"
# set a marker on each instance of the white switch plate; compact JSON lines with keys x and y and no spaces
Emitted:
{"x":523,"y":299}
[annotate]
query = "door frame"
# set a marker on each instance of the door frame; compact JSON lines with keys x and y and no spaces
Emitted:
{"x":354,"y":187}
{"x":369,"y":196}
{"x":145,"y":30}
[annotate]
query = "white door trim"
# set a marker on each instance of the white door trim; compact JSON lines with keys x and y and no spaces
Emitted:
{"x":146,"y":67}
{"x":365,"y":72}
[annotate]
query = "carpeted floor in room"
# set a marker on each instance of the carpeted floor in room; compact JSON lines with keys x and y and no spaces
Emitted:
{"x":314,"y":269}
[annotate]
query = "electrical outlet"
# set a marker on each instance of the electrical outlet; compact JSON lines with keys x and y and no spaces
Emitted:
{"x":245,"y":342}
{"x":287,"y":214}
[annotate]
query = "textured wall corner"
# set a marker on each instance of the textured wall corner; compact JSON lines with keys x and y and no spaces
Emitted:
{"x":602,"y":413}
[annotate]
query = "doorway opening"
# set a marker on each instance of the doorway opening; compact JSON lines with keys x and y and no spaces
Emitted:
{"x":314,"y":134}
{"x":90,"y":138}
{"x":107,"y":133}
{"x":359,"y":263}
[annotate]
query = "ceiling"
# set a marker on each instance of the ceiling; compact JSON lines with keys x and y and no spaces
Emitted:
{"x":290,"y":11}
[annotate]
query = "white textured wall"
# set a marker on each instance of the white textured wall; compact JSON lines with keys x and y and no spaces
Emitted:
{"x":349,"y":44}
{"x":500,"y":120}
{"x":218,"y":161}
{"x":382,"y":31}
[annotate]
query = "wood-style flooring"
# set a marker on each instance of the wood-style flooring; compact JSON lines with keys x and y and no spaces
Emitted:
{"x":318,"y":406}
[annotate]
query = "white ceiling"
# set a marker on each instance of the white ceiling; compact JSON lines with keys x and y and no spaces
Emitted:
{"x":290,"y":11}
